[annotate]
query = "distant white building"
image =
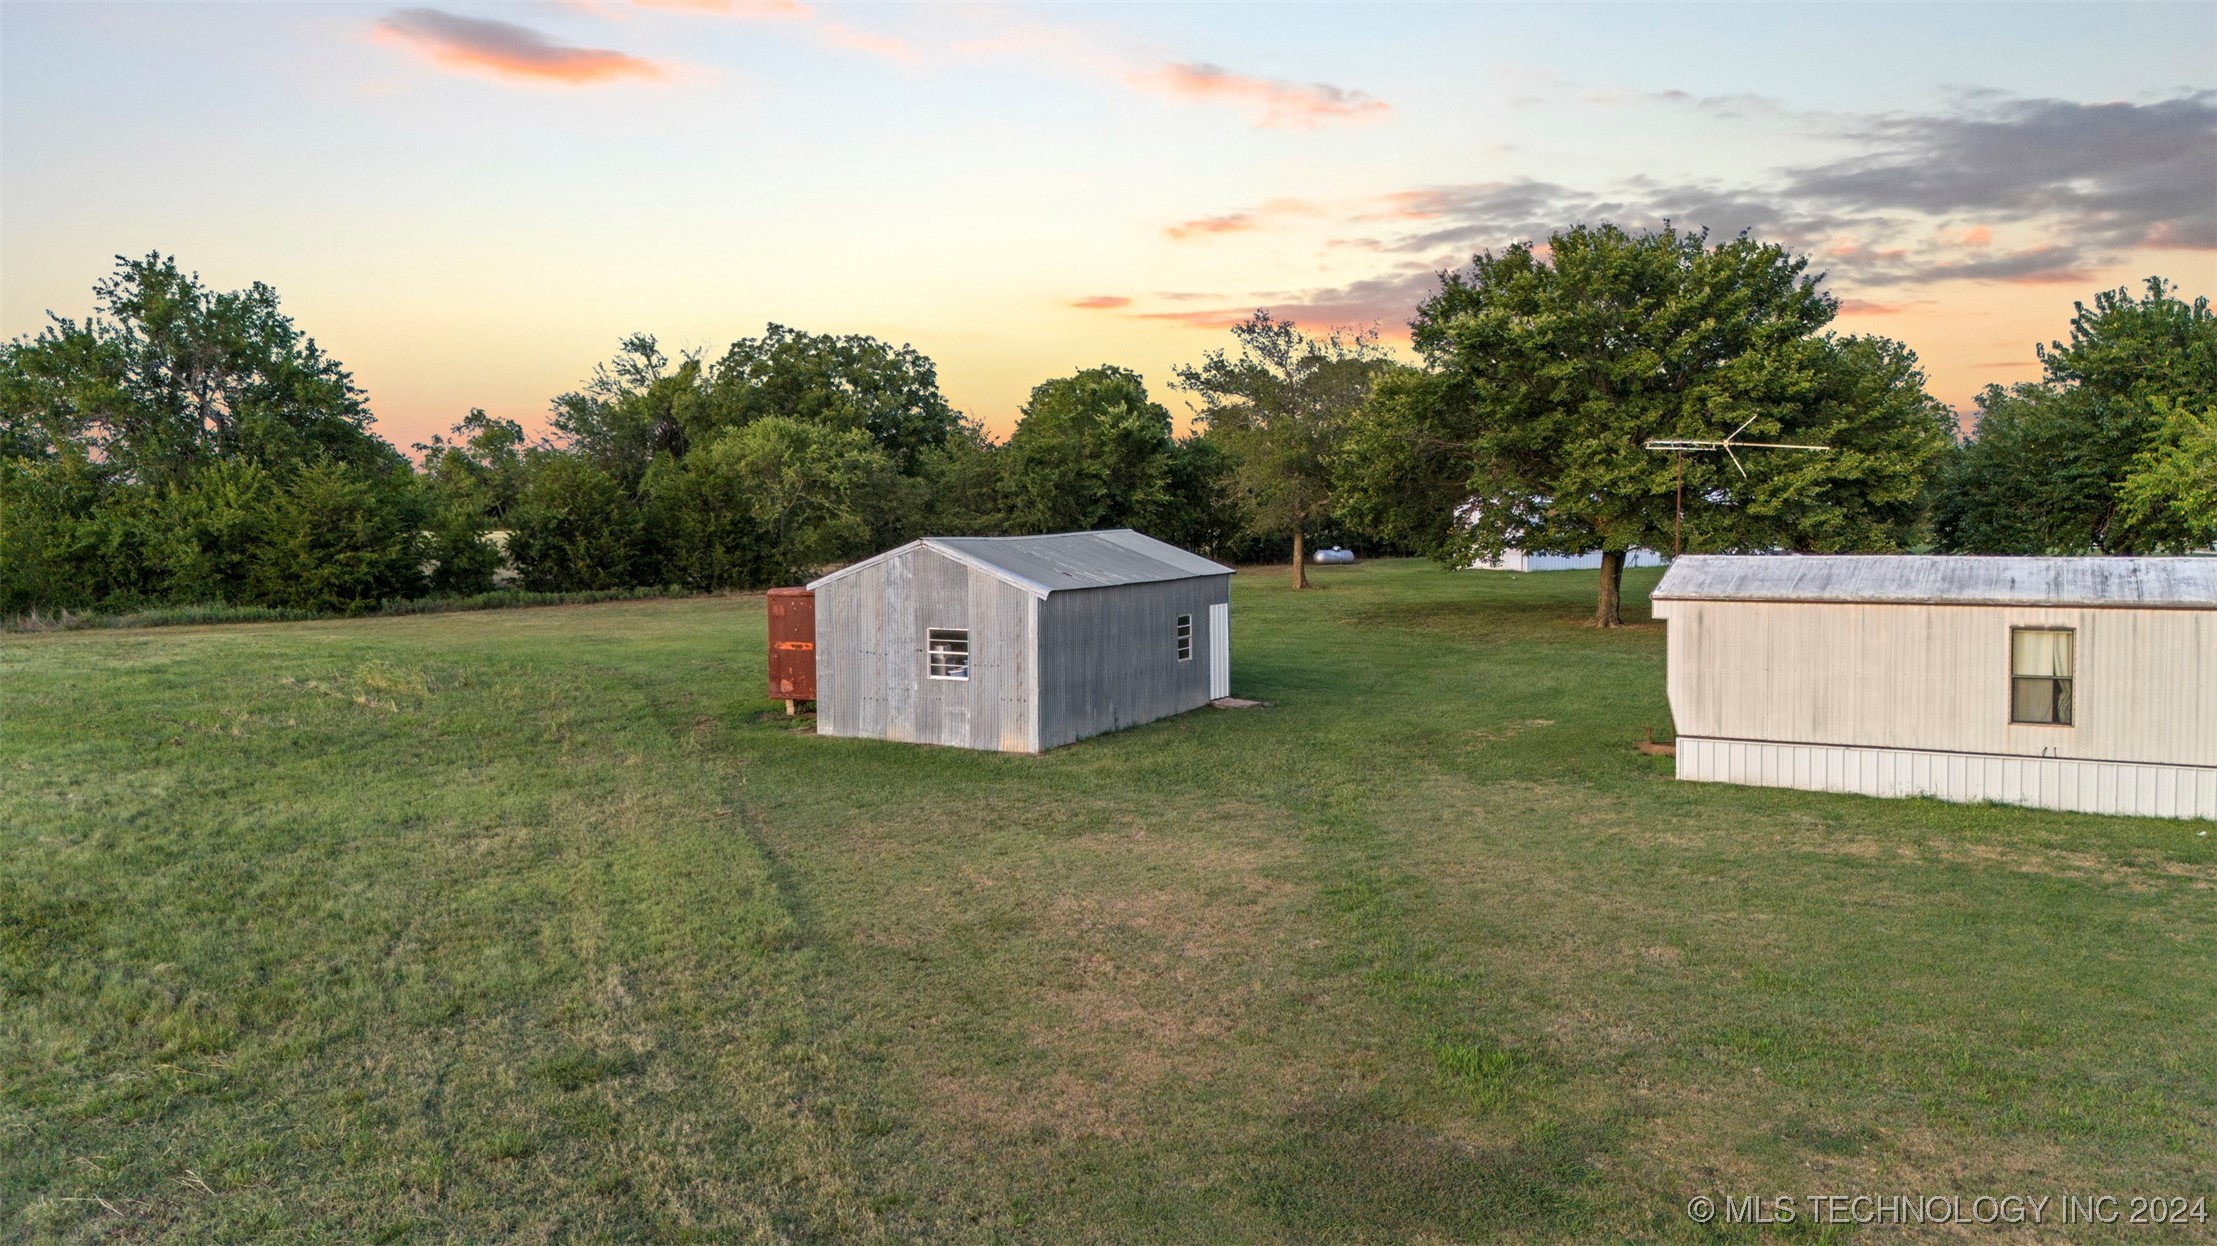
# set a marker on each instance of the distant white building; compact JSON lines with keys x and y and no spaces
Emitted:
{"x":1519,"y":560}
{"x":2087,"y":684}
{"x":1522,"y":560}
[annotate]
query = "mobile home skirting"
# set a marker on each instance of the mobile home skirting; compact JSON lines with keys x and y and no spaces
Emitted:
{"x":2143,"y":789}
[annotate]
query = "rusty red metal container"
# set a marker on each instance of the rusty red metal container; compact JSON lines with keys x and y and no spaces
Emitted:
{"x":792,"y":645}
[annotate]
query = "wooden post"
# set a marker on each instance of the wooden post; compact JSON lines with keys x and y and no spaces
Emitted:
{"x":1679,"y":520}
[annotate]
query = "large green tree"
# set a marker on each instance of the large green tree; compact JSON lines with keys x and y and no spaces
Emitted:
{"x":956,"y":489}
{"x":806,"y":484}
{"x":575,"y":527}
{"x":190,"y":445}
{"x":70,"y":539}
{"x":2048,"y":467}
{"x":1090,"y":451}
{"x":854,"y":381}
{"x":340,"y":541}
{"x":172,"y":375}
{"x":1280,"y":403}
{"x":638,"y":407}
{"x":1547,"y":370}
{"x":2171,"y":487}
{"x":472,"y":479}
{"x":1205,"y":511}
{"x":700,"y":520}
{"x":478,"y":463}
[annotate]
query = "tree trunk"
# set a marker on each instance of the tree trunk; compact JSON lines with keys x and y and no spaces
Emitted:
{"x":1300,"y":565}
{"x":1606,"y":613}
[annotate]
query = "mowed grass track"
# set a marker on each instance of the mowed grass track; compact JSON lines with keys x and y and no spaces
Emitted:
{"x":539,"y":925}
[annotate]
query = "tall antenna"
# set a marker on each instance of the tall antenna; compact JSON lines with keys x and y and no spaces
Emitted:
{"x":1681,"y":447}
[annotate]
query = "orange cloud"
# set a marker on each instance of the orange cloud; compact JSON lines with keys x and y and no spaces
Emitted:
{"x":1241,"y":222}
{"x":1864,"y":307}
{"x":1979,"y":236}
{"x":1229,"y":223}
{"x":1203,"y":318}
{"x":1409,"y":205}
{"x":1275,"y":103}
{"x":506,"y":50}
{"x":1101,"y":302}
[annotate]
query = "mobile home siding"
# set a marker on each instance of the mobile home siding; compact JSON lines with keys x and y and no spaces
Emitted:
{"x":1936,"y":678}
{"x":1108,"y":656}
{"x":2152,"y":791}
{"x":1890,"y":676}
{"x":871,"y":656}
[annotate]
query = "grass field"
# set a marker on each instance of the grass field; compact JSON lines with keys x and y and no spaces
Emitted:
{"x":539,"y":925}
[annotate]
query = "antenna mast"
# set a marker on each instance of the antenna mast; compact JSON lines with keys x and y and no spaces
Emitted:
{"x":1681,"y":447}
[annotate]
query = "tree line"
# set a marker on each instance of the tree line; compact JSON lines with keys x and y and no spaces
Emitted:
{"x":192,"y":446}
{"x":1544,"y":373}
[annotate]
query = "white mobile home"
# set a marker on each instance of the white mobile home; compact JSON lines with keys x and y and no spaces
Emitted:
{"x":2066,"y":683}
{"x":1019,"y":643}
{"x":1523,"y":560}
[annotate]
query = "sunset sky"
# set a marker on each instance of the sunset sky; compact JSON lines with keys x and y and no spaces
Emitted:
{"x":470,"y":204}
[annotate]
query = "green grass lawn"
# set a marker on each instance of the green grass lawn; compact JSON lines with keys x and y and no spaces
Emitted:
{"x":540,"y":925}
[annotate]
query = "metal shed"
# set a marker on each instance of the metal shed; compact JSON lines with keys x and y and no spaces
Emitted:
{"x":1019,"y":643}
{"x":2066,"y":683}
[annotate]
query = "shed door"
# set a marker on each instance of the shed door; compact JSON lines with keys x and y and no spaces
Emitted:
{"x":792,"y":645}
{"x":1220,"y":650}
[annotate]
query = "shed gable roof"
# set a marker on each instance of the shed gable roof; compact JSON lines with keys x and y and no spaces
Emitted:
{"x":1952,"y":579}
{"x":1061,"y":561}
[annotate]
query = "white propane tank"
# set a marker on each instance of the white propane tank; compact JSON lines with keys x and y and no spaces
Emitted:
{"x":1335,"y":554}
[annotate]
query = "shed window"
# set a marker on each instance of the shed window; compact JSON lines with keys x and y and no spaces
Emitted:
{"x":947,"y":651}
{"x":2040,"y":675}
{"x":1185,"y":638}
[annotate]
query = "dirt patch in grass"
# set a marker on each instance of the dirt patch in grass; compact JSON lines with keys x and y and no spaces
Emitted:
{"x":1131,"y":959}
{"x":2138,"y":872}
{"x":1350,"y":1164}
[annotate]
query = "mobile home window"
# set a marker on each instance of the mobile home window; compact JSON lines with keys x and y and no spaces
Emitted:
{"x":2040,"y":675}
{"x":947,"y":651}
{"x":1185,"y":638}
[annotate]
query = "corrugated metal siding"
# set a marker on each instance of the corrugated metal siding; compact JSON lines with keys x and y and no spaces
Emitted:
{"x":1108,"y":656}
{"x":1937,"y":678}
{"x":2155,"y":791}
{"x":871,"y":655}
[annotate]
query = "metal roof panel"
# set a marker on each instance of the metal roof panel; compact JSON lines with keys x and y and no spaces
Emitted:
{"x":1074,"y":560}
{"x":2171,"y":583}
{"x":1063,"y":561}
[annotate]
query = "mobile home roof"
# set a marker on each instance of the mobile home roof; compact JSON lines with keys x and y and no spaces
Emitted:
{"x":2170,"y":583}
{"x":1062,"y":561}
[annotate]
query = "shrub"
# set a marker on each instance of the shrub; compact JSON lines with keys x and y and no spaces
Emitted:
{"x":339,"y":542}
{"x":573,"y":528}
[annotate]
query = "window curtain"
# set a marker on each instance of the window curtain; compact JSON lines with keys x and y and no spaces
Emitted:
{"x":2045,"y":655}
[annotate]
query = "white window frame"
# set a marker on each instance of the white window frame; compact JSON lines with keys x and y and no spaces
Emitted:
{"x":939,"y":645}
{"x":1184,"y":633}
